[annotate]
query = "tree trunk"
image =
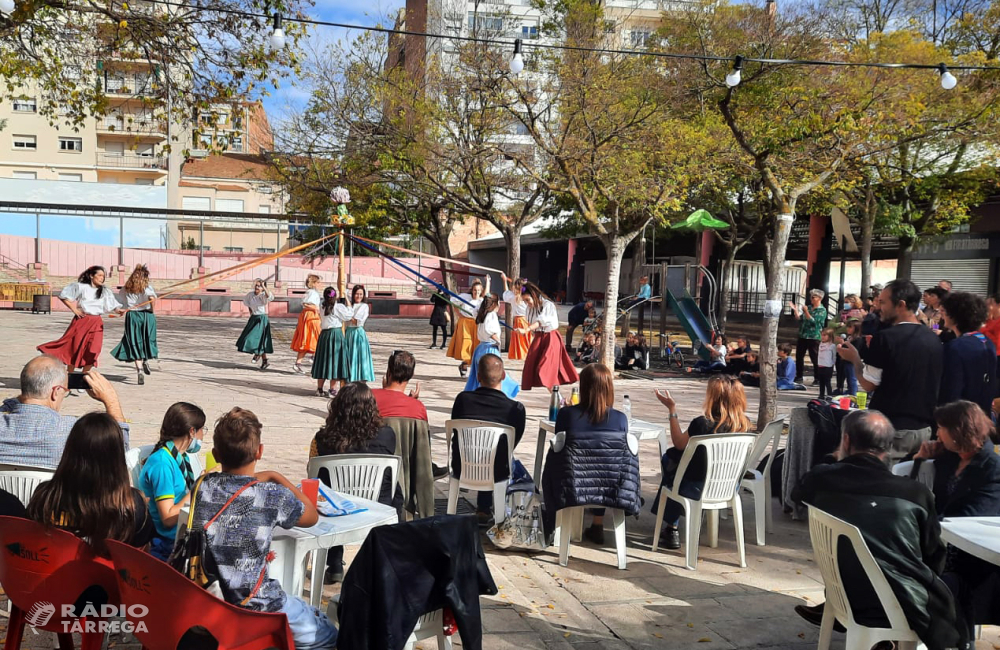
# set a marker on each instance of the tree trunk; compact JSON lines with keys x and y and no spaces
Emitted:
{"x":727,"y":271}
{"x":867,"y":235}
{"x":512,"y":237}
{"x":769,"y":329}
{"x":615,"y":247}
{"x":638,"y":261}
{"x":904,"y":261}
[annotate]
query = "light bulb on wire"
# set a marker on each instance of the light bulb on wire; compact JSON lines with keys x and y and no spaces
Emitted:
{"x":948,"y":80}
{"x":516,"y":62}
{"x":277,"y":40}
{"x":7,"y":7}
{"x":734,"y":77}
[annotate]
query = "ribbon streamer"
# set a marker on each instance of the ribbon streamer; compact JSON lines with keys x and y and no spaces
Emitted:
{"x":427,"y":255}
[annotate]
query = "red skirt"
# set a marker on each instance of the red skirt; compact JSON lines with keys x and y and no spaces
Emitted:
{"x":81,"y":345}
{"x":547,"y":363}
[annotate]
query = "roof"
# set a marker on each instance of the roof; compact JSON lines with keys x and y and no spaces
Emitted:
{"x":529,"y":234}
{"x":237,"y":166}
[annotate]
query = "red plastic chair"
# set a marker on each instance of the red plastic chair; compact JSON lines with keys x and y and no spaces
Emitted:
{"x":176,"y":605}
{"x":42,"y":569}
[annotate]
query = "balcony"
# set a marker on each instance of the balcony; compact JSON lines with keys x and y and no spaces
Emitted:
{"x":131,"y":160}
{"x":133,"y":124}
{"x":128,"y":84}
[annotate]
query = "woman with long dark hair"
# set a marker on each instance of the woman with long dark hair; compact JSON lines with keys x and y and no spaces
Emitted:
{"x":308,"y":327}
{"x":256,"y":336}
{"x":89,"y":300}
{"x":547,"y":363}
{"x":89,"y":494}
{"x":359,"y":350}
{"x":138,"y":343}
{"x":167,"y":477}
{"x":330,"y":363}
{"x":488,"y":333}
{"x":463,"y":335}
{"x":520,"y":342}
{"x":354,"y":426}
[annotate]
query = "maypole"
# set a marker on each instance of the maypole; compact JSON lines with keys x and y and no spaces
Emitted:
{"x":341,"y":197}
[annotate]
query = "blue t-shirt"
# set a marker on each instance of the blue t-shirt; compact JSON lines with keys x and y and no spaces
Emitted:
{"x":645,"y":291}
{"x":162,"y":479}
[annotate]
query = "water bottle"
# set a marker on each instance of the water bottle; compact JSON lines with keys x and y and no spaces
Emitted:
{"x":575,"y":397}
{"x":554,"y":404}
{"x":627,"y":409}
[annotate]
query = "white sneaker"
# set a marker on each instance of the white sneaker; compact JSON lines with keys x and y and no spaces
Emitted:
{"x":297,"y":368}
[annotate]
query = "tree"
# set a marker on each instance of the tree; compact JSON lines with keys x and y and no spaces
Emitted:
{"x":174,"y":58}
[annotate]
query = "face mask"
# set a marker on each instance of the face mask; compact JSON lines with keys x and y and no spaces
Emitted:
{"x":195,"y":447}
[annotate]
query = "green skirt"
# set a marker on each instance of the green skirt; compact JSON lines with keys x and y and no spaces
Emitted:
{"x":139,"y":339}
{"x":256,"y":336}
{"x":359,"y":355}
{"x":330,"y":360}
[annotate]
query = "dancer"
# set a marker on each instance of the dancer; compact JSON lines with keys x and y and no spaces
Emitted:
{"x":88,"y":299}
{"x":519,"y":343}
{"x":439,"y":319}
{"x":547,"y":363}
{"x":138,"y":342}
{"x":256,"y":336}
{"x":488,"y":331}
{"x":464,"y":335}
{"x":359,"y":351}
{"x":307,"y":329}
{"x":330,"y":362}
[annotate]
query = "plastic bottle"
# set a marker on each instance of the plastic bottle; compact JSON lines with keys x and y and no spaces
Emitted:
{"x":554,"y":404}
{"x":627,"y":409}
{"x":575,"y":397}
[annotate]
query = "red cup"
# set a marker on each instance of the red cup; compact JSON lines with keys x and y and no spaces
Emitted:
{"x":845,"y":402}
{"x":310,"y":488}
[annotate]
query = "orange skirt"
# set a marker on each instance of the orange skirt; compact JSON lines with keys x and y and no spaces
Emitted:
{"x":306,"y":331}
{"x":463,"y":340}
{"x":519,"y":343}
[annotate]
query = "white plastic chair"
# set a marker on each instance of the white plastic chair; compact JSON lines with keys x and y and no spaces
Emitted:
{"x":22,"y":483}
{"x":726,"y":459}
{"x":759,"y":483}
{"x":356,"y":475}
{"x":569,"y":521}
{"x":825,"y":530}
{"x":477,"y":449}
{"x":136,"y":456}
{"x":428,"y":626}
{"x":925,"y":474}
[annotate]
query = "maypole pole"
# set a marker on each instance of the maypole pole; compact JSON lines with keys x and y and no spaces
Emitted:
{"x":341,"y":197}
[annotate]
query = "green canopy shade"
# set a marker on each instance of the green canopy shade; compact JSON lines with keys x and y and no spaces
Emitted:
{"x":700,"y":220}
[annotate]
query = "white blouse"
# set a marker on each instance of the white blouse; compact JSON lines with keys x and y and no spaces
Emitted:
{"x":257,"y":302}
{"x":518,"y":307}
{"x":547,"y":318}
{"x":336,"y":319}
{"x":312,"y":297}
{"x":85,"y":296}
{"x":467,"y":310}
{"x":130,"y":300}
{"x":489,"y":327}
{"x":360,"y":313}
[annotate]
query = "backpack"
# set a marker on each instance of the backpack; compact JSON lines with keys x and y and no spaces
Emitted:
{"x":192,"y":554}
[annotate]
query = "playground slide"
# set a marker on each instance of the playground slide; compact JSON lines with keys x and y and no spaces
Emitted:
{"x":693,"y":321}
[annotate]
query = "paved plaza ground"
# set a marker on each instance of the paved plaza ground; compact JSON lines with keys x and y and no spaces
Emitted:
{"x":655,"y":603}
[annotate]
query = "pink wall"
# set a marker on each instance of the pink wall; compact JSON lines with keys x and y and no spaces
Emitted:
{"x":69,"y":259}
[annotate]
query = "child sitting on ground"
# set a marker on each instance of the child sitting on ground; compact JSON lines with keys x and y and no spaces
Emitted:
{"x":786,"y":369}
{"x":240,"y":539}
{"x":751,"y":376}
{"x":587,"y":353}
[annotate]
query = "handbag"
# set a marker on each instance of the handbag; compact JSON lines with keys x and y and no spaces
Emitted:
{"x":192,"y":555}
{"x":522,"y":527}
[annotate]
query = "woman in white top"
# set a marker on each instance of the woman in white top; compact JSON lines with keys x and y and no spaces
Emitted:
{"x":256,"y":336}
{"x":359,"y":350}
{"x":138,"y":343}
{"x":716,"y":357}
{"x":330,"y":362}
{"x":547,"y":363}
{"x":88,"y":299}
{"x":308,"y":328}
{"x":519,"y":343}
{"x":488,"y":332}
{"x":463,"y":338}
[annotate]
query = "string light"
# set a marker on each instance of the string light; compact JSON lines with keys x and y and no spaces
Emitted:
{"x":517,"y":62}
{"x":277,"y":41}
{"x":733,"y":78}
{"x":948,"y":80}
{"x":6,"y":7}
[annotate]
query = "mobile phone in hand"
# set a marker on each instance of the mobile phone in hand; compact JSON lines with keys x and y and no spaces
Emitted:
{"x":77,"y":381}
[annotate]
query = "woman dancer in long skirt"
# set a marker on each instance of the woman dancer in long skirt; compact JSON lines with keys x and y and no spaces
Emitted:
{"x":547,"y":363}
{"x":308,"y":328}
{"x":89,"y":300}
{"x":488,"y":332}
{"x":138,"y":343}
{"x":330,"y":362}
{"x":519,"y":343}
{"x":256,"y":336}
{"x":359,"y":351}
{"x":463,"y":338}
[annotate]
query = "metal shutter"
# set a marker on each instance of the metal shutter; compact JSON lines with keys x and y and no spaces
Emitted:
{"x":965,"y":275}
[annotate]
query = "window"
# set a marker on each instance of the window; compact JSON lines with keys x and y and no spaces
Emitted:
{"x":200,"y":203}
{"x":485,"y":22}
{"x":144,"y":181}
{"x":639,"y":38}
{"x":233,"y":249}
{"x":73,"y":178}
{"x":609,"y":27}
{"x":26,"y":142}
{"x":206,"y":140}
{"x":144,"y":149}
{"x":26,"y":176}
{"x":236,"y":143}
{"x":264,"y":209}
{"x":114,"y":148}
{"x":265,"y":250}
{"x":529,"y":31}
{"x":229,"y":205}
{"x":25,"y":105}
{"x":71,"y":144}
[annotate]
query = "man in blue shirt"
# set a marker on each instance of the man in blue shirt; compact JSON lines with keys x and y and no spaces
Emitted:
{"x":577,"y":315}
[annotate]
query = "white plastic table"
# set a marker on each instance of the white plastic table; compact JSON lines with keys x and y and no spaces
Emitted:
{"x":639,"y":428}
{"x":978,"y":536}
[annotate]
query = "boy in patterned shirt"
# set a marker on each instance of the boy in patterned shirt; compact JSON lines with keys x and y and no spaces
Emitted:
{"x":240,"y":537}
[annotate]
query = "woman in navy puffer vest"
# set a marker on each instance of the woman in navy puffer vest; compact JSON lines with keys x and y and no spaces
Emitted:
{"x":595,"y":466}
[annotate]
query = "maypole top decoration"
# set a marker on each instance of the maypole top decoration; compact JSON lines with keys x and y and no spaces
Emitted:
{"x":341,"y":197}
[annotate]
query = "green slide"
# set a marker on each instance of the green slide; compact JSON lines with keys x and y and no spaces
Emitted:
{"x":693,"y":321}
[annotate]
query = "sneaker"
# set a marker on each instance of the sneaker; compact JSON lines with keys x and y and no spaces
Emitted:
{"x":814,"y":615}
{"x":443,"y":347}
{"x":255,"y":358}
{"x":145,"y":367}
{"x":670,"y":538}
{"x":331,"y":576}
{"x":439,"y":472}
{"x":298,"y":369}
{"x":142,"y":380}
{"x":431,"y":346}
{"x":594,"y":534}
{"x":462,"y":370}
{"x":265,"y":365}
{"x":322,"y":393}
